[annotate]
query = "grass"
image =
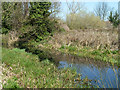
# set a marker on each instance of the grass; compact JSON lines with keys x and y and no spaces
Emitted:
{"x":99,"y":45}
{"x":97,"y":54}
{"x":107,"y":55}
{"x":29,"y":72}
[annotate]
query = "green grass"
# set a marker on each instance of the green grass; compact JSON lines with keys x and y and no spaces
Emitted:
{"x":97,"y":54}
{"x":11,"y":83}
{"x":105,"y":55}
{"x":30,"y":72}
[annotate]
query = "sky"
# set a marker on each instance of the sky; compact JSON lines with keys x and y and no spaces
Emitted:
{"x":89,"y":7}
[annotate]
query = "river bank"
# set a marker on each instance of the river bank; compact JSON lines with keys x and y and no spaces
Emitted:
{"x":103,"y":61}
{"x":106,"y":55}
{"x":29,"y":72}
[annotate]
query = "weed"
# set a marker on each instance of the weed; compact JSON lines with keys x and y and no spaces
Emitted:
{"x":100,"y":54}
{"x":30,"y":72}
{"x":11,"y":83}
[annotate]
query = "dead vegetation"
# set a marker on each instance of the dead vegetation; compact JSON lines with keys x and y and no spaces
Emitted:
{"x":9,"y":39}
{"x":93,"y":38}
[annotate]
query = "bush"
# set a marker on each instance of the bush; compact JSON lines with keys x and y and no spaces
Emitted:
{"x":84,"y":20}
{"x":4,"y":31}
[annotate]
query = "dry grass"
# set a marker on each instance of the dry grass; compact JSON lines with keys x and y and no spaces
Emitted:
{"x":9,"y":39}
{"x":93,"y":38}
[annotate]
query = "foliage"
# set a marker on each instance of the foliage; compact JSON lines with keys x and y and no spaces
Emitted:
{"x":39,"y":14}
{"x":83,"y":20}
{"x":86,"y":51}
{"x":100,"y":54}
{"x":5,"y":40}
{"x":33,"y":22}
{"x":6,"y":17}
{"x":114,"y":19}
{"x":12,"y":16}
{"x":31,"y":73}
{"x":40,"y":21}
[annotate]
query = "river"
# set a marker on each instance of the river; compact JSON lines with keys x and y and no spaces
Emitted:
{"x":103,"y":75}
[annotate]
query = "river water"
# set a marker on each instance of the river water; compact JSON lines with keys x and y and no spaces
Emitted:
{"x":103,"y":75}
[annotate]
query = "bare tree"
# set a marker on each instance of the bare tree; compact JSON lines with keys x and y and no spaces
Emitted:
{"x":101,"y":10}
{"x":74,"y":7}
{"x":55,"y":8}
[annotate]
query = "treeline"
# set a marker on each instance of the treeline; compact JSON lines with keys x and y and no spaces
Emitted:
{"x":79,"y":18}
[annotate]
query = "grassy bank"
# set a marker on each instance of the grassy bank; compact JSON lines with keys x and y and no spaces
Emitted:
{"x":29,"y":72}
{"x":111,"y":56}
{"x":98,"y":45}
{"x":97,"y":54}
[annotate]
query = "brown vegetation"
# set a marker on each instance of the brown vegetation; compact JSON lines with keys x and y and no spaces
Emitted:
{"x":88,"y":37}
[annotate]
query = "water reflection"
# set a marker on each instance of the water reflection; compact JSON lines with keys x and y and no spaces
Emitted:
{"x":102,"y":74}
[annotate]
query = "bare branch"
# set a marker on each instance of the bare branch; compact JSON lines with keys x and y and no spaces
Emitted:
{"x":101,"y":10}
{"x":74,"y":7}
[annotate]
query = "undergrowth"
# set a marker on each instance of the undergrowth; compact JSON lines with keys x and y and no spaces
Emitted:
{"x":107,"y":55}
{"x":29,"y":72}
{"x":97,"y":54}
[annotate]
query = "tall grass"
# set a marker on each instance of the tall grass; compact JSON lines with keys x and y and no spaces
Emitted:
{"x":91,"y":38}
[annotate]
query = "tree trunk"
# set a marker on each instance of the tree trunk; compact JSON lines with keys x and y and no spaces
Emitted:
{"x":26,"y":12}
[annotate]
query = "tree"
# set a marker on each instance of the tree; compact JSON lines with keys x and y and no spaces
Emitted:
{"x":74,"y":7}
{"x":17,"y":15}
{"x":84,"y":20}
{"x":101,"y":10}
{"x":6,"y":14}
{"x":39,"y":13}
{"x":114,"y":19}
{"x":55,"y":8}
{"x":12,"y":20}
{"x":26,"y":9}
{"x":12,"y":16}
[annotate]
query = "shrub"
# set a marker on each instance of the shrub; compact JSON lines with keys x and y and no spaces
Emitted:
{"x":114,"y":19}
{"x":4,"y":31}
{"x":84,"y":20}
